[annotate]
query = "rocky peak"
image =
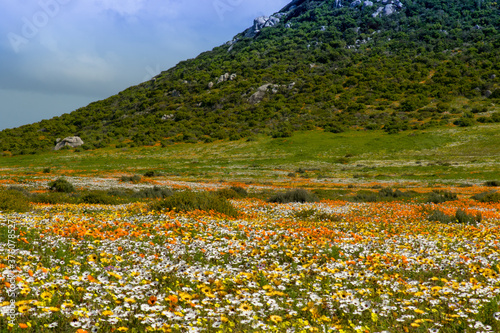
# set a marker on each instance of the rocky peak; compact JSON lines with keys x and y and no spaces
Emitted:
{"x":297,"y":7}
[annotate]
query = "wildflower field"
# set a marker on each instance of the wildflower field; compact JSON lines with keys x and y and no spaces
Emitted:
{"x":320,"y":266}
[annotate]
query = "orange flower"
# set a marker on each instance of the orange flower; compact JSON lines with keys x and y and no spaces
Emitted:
{"x":152,"y":300}
{"x":22,"y":325}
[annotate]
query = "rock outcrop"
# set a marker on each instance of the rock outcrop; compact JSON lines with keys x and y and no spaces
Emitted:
{"x":71,"y":141}
{"x":261,"y":22}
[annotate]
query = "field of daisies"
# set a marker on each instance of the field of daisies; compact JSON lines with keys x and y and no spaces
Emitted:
{"x":327,"y":266}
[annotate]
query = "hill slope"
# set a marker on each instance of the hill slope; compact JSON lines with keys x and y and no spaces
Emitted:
{"x":326,"y":64}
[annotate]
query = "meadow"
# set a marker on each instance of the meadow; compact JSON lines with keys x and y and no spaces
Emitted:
{"x":403,"y":252}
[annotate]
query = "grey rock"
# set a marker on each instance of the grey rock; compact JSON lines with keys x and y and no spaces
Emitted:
{"x":323,"y":28}
{"x":175,"y":93}
{"x":261,"y":22}
{"x":210,"y":85}
{"x":493,"y":76}
{"x":389,"y":9}
{"x":355,"y":3}
{"x":232,"y":77}
{"x":378,"y":11}
{"x":487,"y":93}
{"x":367,"y":4}
{"x":166,"y":117}
{"x":71,"y":141}
{"x":259,"y":95}
{"x":338,"y":4}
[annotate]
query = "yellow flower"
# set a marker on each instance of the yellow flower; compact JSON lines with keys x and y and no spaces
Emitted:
{"x":107,"y":313}
{"x":23,"y":309}
{"x":46,"y":296}
{"x":276,"y":319}
{"x":122,"y":329}
{"x":245,"y":307}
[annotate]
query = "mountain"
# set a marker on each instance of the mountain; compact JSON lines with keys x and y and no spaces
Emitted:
{"x":315,"y":65}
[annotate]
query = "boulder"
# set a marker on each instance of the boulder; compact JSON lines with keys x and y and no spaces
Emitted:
{"x":261,"y":22}
{"x":259,"y":95}
{"x":71,"y":141}
{"x":389,"y":9}
{"x":367,"y":4}
{"x":355,"y":3}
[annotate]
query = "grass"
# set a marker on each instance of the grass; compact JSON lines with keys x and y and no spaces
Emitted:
{"x":451,"y":154}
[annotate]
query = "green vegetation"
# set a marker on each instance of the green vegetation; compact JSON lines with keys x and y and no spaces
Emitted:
{"x":460,"y":217}
{"x":315,"y":215}
{"x":61,"y":185}
{"x":296,"y":195}
{"x":441,"y":196}
{"x":13,"y":201}
{"x":187,"y":201}
{"x":430,"y":65}
{"x":490,"y":196}
{"x":132,"y":179}
{"x":385,"y":194}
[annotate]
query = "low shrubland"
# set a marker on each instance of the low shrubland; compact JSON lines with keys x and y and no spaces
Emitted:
{"x":296,"y":195}
{"x":190,"y":201}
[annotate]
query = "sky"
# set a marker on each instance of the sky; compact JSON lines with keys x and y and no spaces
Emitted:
{"x":59,"y":55}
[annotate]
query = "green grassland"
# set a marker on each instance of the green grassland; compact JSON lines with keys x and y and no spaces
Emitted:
{"x":453,"y":154}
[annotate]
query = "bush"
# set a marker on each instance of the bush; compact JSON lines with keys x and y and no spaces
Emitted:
{"x":491,"y":196}
{"x":154,"y":193}
{"x":240,"y":190}
{"x":189,"y":201}
{"x":227,"y":193}
{"x":441,"y":196}
{"x":13,"y":201}
{"x":439,"y":216}
{"x":152,"y":173}
{"x":99,"y":198}
{"x":53,"y":198}
{"x":312,"y":214}
{"x":297,"y":195}
{"x":462,"y":217}
{"x":132,"y":179}
{"x":492,"y":183}
{"x":61,"y":185}
{"x":234,"y":192}
{"x":366,"y":197}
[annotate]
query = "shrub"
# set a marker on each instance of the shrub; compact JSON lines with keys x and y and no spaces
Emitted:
{"x":441,"y":196}
{"x":312,"y":214}
{"x":233,"y":192}
{"x":227,"y":193}
{"x":491,"y":196}
{"x":391,"y":193}
{"x":98,"y":198}
{"x":439,"y":216}
{"x":152,"y":173}
{"x":132,"y":179}
{"x":240,"y":190}
{"x":492,"y":183}
{"x":462,"y":217}
{"x":366,"y":197}
{"x":154,"y":193}
{"x":46,"y":170}
{"x":189,"y":201}
{"x":297,"y":195}
{"x":61,"y":185}
{"x":53,"y":198}
{"x":13,"y":201}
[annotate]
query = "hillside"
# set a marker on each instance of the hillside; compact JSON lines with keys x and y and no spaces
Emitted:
{"x":330,"y":65}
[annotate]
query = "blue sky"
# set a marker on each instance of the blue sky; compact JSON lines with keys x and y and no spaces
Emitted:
{"x":59,"y":55}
